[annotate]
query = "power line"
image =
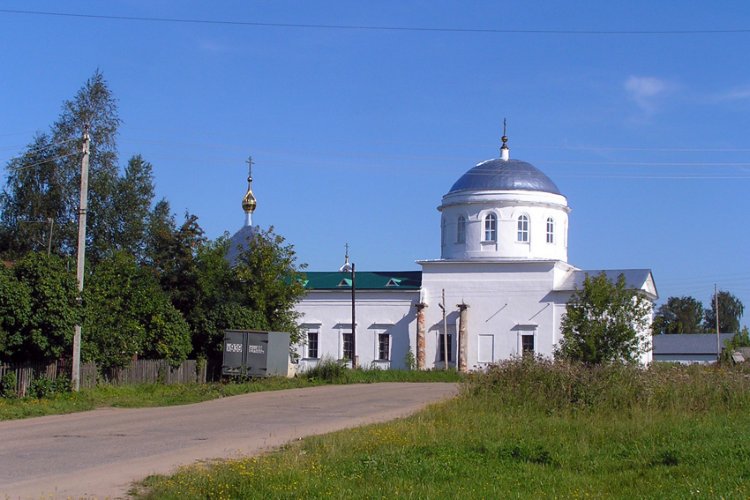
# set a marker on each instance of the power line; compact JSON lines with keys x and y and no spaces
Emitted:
{"x":42,"y":162}
{"x":360,"y":27}
{"x":519,"y":145}
{"x":34,"y":150}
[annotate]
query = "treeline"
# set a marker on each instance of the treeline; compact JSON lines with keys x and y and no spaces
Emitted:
{"x":688,"y":315}
{"x":155,"y":286}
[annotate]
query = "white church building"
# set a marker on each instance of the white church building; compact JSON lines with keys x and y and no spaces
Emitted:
{"x":498,"y":290}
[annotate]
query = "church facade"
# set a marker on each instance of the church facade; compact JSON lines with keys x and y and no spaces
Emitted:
{"x":498,"y":290}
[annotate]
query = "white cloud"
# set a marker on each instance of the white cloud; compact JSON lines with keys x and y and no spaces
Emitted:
{"x":646,"y":91}
{"x":735,"y":94}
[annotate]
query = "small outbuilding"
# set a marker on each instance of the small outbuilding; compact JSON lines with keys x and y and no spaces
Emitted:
{"x":688,"y":348}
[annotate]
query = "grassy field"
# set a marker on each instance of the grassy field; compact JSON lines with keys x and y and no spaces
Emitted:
{"x":522,"y":430}
{"x":137,"y":396}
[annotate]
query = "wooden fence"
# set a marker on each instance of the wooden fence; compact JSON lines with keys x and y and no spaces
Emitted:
{"x":142,"y":371}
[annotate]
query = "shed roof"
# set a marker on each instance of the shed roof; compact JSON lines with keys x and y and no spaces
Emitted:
{"x":688,"y":343}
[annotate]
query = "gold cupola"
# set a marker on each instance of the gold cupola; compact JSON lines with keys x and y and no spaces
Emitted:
{"x":248,"y":201}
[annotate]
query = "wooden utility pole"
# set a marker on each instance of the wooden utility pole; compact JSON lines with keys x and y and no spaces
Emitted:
{"x":354,"y":318}
{"x":49,"y":239}
{"x":445,"y":333}
{"x":718,"y":337}
{"x":75,"y":375}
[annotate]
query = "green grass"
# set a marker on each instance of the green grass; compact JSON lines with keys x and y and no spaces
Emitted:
{"x":523,"y":430}
{"x":147,"y":395}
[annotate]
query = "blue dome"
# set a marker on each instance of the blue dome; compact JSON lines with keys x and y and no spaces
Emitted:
{"x":504,"y":175}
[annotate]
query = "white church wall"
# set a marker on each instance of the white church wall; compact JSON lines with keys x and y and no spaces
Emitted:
{"x":507,"y":207}
{"x":507,"y":302}
{"x":388,"y":313}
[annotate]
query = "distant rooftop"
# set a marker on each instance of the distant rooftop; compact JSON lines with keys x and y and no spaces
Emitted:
{"x":688,"y":343}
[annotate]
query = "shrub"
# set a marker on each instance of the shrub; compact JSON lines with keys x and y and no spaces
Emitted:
{"x":8,"y":385}
{"x":45,"y":387}
{"x":410,"y":361}
{"x":565,"y":386}
{"x":328,"y":370}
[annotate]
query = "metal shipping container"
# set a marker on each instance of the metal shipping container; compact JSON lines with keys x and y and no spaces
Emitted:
{"x":255,"y":354}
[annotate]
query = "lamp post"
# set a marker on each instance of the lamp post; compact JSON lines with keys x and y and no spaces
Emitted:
{"x":354,"y":319}
{"x":350,"y":268}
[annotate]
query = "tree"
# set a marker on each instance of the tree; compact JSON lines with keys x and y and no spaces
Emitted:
{"x":260,"y":292}
{"x":172,"y":254}
{"x":271,"y":280}
{"x":221,"y":303}
{"x":604,"y":322}
{"x":47,"y":334}
{"x":127,"y":314}
{"x":133,"y":198}
{"x":95,"y":107}
{"x":730,"y":312}
{"x":15,"y":312}
{"x":679,"y":315}
{"x":32,"y":197}
{"x":44,"y":182}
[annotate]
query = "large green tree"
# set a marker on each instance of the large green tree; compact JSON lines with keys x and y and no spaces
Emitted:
{"x":730,"y":312}
{"x":272,"y":280}
{"x":132,"y":200}
{"x":604,"y":322}
{"x":15,"y":313}
{"x":44,"y":181}
{"x":45,"y":309}
{"x":679,"y":315}
{"x":219,"y":303}
{"x":32,"y":201}
{"x":128,"y":314}
{"x":94,"y":106}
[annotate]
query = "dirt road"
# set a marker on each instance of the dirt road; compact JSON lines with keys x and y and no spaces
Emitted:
{"x":97,"y":454}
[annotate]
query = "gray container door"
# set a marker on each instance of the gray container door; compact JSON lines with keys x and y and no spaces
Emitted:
{"x":257,"y":354}
{"x":234,"y":353}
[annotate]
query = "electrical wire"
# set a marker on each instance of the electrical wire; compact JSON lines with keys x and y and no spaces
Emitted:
{"x":360,"y":27}
{"x":35,"y":150}
{"x":42,"y":162}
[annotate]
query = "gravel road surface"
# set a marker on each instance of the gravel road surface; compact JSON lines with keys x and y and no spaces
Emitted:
{"x":98,"y":454}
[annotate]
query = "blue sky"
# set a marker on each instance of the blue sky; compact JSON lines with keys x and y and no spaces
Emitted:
{"x":357,"y":133}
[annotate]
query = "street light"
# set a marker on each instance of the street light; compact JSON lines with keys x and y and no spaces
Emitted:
{"x":350,"y":268}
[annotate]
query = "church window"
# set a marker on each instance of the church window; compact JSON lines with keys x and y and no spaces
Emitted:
{"x":523,"y":228}
{"x":348,"y":347}
{"x":384,"y":346}
{"x":461,"y":229}
{"x":550,"y":230}
{"x":490,"y":227}
{"x":312,"y":344}
{"x":527,"y":344}
{"x":442,"y":231}
{"x":441,"y":348}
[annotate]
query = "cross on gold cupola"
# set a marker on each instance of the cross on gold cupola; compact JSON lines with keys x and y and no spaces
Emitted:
{"x":248,"y":201}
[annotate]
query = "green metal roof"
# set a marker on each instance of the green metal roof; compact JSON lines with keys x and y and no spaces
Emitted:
{"x":365,"y":280}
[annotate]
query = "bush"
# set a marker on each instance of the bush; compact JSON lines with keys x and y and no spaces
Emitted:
{"x":328,"y":370}
{"x":565,"y":386}
{"x":410,"y":361}
{"x":44,"y":387}
{"x":8,"y":385}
